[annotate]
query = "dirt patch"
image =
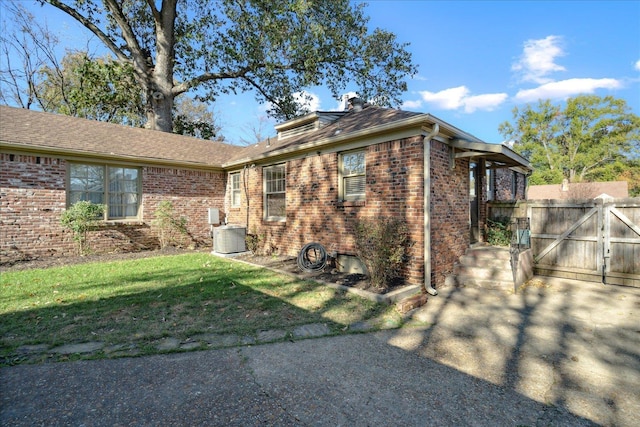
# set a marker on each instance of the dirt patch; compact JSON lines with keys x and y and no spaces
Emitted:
{"x":73,"y":260}
{"x":329,"y":274}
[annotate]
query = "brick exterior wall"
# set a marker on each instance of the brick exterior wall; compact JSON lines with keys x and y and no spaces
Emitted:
{"x":509,"y":185}
{"x":394,"y":187}
{"x":450,"y":232}
{"x":33,"y":196}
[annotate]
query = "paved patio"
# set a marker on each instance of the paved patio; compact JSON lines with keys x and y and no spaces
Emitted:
{"x":565,"y":353}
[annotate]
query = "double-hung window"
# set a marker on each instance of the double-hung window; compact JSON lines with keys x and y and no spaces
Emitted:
{"x":352,"y":172}
{"x":236,"y":192}
{"x":274,"y":178}
{"x":117,"y":187}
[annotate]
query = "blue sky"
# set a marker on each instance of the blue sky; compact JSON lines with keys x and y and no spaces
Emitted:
{"x":477,"y":59}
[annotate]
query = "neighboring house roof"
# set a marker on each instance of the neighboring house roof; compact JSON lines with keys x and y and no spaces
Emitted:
{"x":25,"y":130}
{"x":580,"y":190}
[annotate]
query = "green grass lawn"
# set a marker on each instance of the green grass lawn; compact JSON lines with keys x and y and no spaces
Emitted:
{"x":140,"y":302}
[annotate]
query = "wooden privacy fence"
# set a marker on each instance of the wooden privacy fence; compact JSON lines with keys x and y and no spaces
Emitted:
{"x":594,"y":240}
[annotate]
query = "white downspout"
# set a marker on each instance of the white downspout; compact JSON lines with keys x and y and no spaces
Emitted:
{"x":427,"y":209}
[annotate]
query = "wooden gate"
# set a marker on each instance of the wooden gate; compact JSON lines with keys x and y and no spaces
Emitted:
{"x":594,"y":240}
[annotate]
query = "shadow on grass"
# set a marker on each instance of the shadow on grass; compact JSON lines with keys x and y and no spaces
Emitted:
{"x":137,"y":307}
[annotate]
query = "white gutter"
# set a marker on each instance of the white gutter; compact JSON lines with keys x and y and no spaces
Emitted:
{"x":427,"y":209}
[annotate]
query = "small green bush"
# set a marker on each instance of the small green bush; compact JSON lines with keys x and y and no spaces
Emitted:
{"x":170,"y":226}
{"x":80,"y":218}
{"x":382,"y":245}
{"x":499,"y":232}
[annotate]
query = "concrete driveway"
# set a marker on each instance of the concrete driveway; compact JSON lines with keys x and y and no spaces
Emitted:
{"x":567,"y":354}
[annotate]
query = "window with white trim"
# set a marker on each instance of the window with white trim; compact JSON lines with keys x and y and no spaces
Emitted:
{"x":236,"y":192}
{"x":274,"y":178}
{"x":117,"y":187}
{"x":352,"y":175}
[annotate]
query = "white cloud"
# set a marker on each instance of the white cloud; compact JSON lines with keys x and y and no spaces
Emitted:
{"x":458,"y":97}
{"x":487,"y":102}
{"x":448,"y":99}
{"x":566,"y":88}
{"x":538,"y":59}
{"x":308,"y":100}
{"x":411,"y":105}
{"x":637,"y":66}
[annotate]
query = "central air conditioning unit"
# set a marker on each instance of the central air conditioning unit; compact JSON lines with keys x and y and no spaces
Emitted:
{"x":229,"y":239}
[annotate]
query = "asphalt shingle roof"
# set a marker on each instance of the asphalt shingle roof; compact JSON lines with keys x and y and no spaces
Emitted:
{"x":38,"y":130}
{"x":349,"y":123}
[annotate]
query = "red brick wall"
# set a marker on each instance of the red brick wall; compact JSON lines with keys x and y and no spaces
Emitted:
{"x":191,"y":192}
{"x":505,"y":181}
{"x":450,"y":233}
{"x":394,"y":188}
{"x":32,"y":198}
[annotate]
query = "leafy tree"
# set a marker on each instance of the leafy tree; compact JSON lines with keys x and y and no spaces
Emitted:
{"x":274,"y":48}
{"x":578,"y":141}
{"x":193,"y":118}
{"x":96,"y":89}
{"x":79,"y":85}
{"x":33,"y":76}
{"x":622,"y":170}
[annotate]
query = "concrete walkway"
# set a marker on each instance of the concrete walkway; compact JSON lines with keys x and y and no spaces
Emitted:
{"x":568,"y":354}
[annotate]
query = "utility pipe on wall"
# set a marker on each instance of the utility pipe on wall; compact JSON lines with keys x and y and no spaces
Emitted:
{"x":427,"y":209}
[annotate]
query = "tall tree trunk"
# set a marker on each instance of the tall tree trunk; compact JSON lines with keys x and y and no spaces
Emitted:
{"x":160,"y":113}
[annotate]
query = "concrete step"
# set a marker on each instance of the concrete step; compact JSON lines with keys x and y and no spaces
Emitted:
{"x":492,"y":252}
{"x":485,"y":262}
{"x":484,"y":273}
{"x":464,"y":281}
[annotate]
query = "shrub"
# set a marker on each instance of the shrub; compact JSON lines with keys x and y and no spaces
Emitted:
{"x":382,"y":245}
{"x":499,"y":232}
{"x":170,"y":226}
{"x":80,"y":218}
{"x":254,"y":243}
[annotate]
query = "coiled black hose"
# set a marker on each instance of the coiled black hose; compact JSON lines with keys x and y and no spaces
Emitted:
{"x":312,"y":257}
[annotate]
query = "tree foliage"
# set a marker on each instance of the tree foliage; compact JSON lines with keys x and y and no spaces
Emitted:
{"x":274,"y":48}
{"x":193,"y":118}
{"x":80,"y":84}
{"x":580,"y":140}
{"x":92,"y":88}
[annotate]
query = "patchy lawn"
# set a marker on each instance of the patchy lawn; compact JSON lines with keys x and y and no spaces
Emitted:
{"x":138,"y":302}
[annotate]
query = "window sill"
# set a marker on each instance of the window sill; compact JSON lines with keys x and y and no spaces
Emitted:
{"x":122,"y":222}
{"x":351,"y":203}
{"x":275,"y":221}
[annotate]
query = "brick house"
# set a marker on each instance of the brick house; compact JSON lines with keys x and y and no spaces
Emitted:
{"x":310,"y":183}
